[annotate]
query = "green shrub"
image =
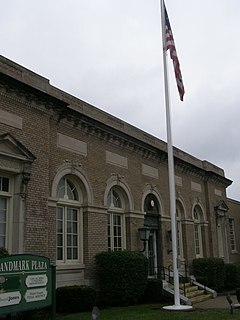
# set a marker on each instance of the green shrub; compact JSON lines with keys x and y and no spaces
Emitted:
{"x":210,"y":272}
{"x":122,"y":277}
{"x":75,"y":298}
{"x":3,"y":252}
{"x":232,"y":275}
{"x":153,"y":291}
{"x":238,"y":294}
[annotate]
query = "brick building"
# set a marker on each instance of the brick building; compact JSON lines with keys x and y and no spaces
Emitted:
{"x":75,"y":181}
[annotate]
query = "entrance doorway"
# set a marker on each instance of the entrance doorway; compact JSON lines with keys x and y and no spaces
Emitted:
{"x":152,"y":255}
{"x":152,"y":221}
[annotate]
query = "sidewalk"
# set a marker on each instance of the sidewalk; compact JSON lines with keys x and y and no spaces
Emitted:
{"x":218,"y":302}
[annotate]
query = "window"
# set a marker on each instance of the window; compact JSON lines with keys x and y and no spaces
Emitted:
{"x":197,"y":213}
{"x":5,"y":197}
{"x":68,"y":222}
{"x":232,"y":235}
{"x":179,"y":230}
{"x":115,"y":226}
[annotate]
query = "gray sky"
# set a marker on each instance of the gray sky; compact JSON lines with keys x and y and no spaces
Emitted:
{"x":109,"y":53}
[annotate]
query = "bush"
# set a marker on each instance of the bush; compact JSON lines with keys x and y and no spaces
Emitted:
{"x":232,"y":275}
{"x":210,"y":272}
{"x":238,"y":294}
{"x":3,"y":252}
{"x":122,"y":277}
{"x":153,"y":291}
{"x":75,"y":298}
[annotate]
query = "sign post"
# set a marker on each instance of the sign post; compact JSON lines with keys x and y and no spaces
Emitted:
{"x":27,"y":282}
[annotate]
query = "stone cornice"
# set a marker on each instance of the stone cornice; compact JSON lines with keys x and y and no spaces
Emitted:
{"x":114,"y":131}
{"x":28,"y":95}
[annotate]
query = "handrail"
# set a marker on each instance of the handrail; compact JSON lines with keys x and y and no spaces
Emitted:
{"x":166,"y":275}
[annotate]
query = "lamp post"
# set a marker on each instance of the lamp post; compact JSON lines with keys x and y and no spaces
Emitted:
{"x":144,"y":234}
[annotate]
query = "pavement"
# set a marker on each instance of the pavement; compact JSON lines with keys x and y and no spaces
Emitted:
{"x":220,"y":302}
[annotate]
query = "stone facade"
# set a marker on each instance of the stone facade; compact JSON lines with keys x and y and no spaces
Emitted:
{"x":101,"y":179}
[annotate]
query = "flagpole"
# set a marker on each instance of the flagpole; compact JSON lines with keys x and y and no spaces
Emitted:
{"x":172,"y":196}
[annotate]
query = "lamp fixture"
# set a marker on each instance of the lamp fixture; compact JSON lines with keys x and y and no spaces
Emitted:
{"x":144,"y":234}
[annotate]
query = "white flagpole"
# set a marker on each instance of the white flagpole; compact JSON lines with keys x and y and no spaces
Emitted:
{"x":176,"y":305}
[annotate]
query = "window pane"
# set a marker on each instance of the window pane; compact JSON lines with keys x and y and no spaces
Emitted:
{"x":59,"y":213}
{"x":69,"y":253}
{"x":59,"y":254}
{"x":3,"y":216}
{"x":69,"y":214}
{"x":69,"y":240}
{"x":2,"y":229}
{"x":69,"y":227}
{"x":74,"y":215}
{"x":74,"y":241}
{"x":74,"y":228}
{"x":59,"y":227}
{"x":61,"y":189}
{"x":196,"y":215}
{"x":3,"y":203}
{"x":70,"y":194}
{"x":197,"y":242}
{"x":59,"y":240}
{"x":114,"y":199}
{"x":71,"y":191}
{"x":5,"y":184}
{"x":2,"y":241}
{"x":75,"y":253}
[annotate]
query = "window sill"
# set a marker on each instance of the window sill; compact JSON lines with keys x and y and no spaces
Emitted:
{"x":69,"y":266}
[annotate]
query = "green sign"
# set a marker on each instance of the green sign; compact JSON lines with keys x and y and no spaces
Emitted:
{"x":26,"y":282}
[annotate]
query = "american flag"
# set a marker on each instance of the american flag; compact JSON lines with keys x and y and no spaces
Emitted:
{"x":170,"y":45}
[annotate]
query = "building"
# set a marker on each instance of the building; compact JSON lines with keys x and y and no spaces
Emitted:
{"x":75,"y":181}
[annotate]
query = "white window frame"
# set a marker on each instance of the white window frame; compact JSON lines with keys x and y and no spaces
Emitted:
{"x":179,"y":233}
{"x":197,"y":232}
{"x":66,"y":204}
{"x":112,"y":213}
{"x":9,"y":212}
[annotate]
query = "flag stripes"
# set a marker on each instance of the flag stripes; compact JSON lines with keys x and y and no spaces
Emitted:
{"x":170,"y":45}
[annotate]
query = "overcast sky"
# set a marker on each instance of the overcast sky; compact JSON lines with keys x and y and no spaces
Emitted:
{"x":109,"y":53}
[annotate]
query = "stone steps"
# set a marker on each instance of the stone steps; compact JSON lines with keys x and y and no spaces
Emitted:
{"x":200,"y":298}
{"x":193,"y":293}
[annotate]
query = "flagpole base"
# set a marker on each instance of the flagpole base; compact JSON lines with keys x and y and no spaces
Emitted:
{"x":178,"y":308}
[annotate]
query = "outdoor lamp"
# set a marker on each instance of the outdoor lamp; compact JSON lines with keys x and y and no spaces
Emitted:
{"x":144,"y":234}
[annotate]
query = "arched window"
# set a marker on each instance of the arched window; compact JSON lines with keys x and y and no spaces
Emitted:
{"x":197,"y":217}
{"x":69,"y":221}
{"x":116,"y":221}
{"x":151,"y":204}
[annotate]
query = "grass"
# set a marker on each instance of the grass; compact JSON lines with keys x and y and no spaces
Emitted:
{"x":149,"y":312}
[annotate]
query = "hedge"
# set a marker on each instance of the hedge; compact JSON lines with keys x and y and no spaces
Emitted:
{"x":232,"y":275}
{"x":122,"y":277}
{"x":3,"y":252}
{"x":75,"y":298}
{"x":153,"y":291}
{"x":210,"y":272}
